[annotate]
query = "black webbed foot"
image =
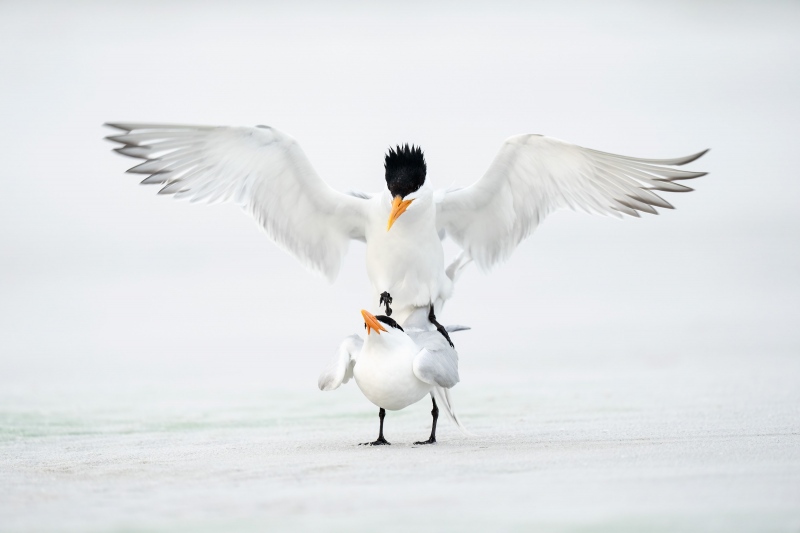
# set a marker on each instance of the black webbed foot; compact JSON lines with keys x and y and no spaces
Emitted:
{"x":386,"y":299}
{"x":439,"y":327}
{"x":380,"y":442}
{"x":431,"y":440}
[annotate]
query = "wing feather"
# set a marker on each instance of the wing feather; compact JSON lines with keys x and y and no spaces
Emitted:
{"x":437,"y":361}
{"x":261,"y":169}
{"x":533,"y":175}
{"x":340,"y":369}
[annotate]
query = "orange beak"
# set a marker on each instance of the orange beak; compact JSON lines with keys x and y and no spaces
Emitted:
{"x":399,"y":207}
{"x":372,"y":323}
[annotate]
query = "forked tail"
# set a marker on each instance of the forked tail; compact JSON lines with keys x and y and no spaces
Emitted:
{"x":442,"y":397}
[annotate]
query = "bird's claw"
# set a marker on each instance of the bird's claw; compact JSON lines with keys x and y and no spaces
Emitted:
{"x":386,"y":299}
{"x":431,"y":440}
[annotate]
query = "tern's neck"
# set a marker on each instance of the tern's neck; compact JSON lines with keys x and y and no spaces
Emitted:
{"x":420,"y":213}
{"x":387,"y":343}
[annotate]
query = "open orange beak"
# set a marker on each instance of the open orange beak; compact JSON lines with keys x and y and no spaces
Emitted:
{"x":399,"y":207}
{"x":372,"y":323}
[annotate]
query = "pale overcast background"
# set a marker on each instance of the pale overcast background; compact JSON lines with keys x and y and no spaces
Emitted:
{"x":119,"y":307}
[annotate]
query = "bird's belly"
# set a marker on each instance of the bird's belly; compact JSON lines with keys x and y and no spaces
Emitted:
{"x":410,"y":269}
{"x":389,"y":382}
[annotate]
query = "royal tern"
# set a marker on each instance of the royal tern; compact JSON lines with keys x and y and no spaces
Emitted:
{"x":267,"y":173}
{"x":395,"y":366}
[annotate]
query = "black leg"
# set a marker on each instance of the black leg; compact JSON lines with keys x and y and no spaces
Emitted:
{"x":435,"y":415}
{"x":439,"y":328}
{"x":381,"y":440}
{"x":386,"y":299}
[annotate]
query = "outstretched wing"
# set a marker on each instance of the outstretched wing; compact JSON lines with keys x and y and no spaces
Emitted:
{"x":534,"y":175}
{"x":261,"y":169}
{"x":437,"y":361}
{"x":340,"y":369}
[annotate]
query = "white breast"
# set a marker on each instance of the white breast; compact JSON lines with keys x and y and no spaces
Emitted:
{"x":385,"y":374}
{"x":408,"y":260}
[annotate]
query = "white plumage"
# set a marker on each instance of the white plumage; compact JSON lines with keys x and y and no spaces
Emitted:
{"x":261,"y":169}
{"x":395,"y":367}
{"x":437,"y":366}
{"x":266,"y":172}
{"x":533,"y":175}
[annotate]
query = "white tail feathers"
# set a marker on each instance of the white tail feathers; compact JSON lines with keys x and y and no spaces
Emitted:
{"x":453,"y":270}
{"x":442,"y":397}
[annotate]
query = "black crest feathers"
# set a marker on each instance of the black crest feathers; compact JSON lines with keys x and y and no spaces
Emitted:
{"x":405,"y":169}
{"x":389,"y":322}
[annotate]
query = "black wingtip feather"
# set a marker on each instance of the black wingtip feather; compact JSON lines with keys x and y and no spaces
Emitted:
{"x":155,"y":179}
{"x":121,"y":151}
{"x":637,"y":208}
{"x":138,"y":170}
{"x":690,"y":177}
{"x":115,"y":126}
{"x":695,"y":157}
{"x":682,"y":188}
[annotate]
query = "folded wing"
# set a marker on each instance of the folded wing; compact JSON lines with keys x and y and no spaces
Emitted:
{"x":340,"y":369}
{"x":437,"y":361}
{"x":534,"y":175}
{"x":261,"y":169}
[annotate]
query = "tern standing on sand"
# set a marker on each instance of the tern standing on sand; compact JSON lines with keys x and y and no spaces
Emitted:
{"x":395,"y":366}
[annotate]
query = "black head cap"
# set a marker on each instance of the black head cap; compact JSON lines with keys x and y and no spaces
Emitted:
{"x":389,"y":322}
{"x":405,"y":169}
